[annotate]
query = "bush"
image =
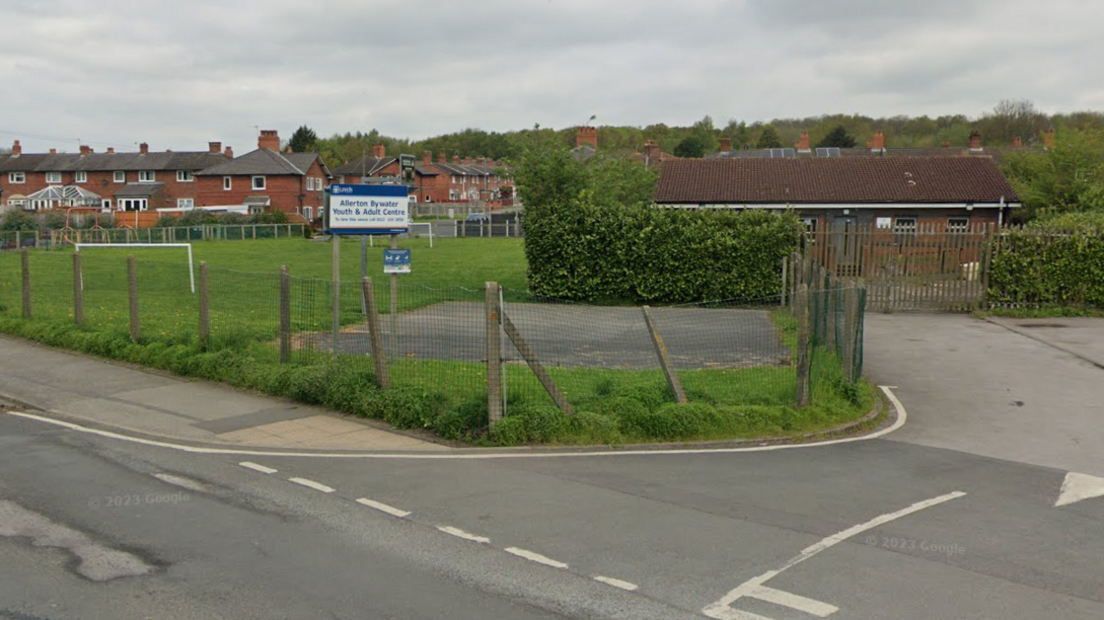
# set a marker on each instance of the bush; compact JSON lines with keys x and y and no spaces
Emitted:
{"x":197,"y":217}
{"x":233,"y":219}
{"x":1043,"y":267}
{"x":51,"y":220}
{"x":167,"y":221}
{"x":17,"y":219}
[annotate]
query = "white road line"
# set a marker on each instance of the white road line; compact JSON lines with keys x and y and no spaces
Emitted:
{"x":311,"y":484}
{"x":902,"y":416}
{"x":617,"y":583}
{"x":256,"y":467}
{"x":535,"y":557}
{"x":459,"y":533}
{"x":1077,"y":487}
{"x":722,"y":609}
{"x":793,"y":601}
{"x":391,"y":510}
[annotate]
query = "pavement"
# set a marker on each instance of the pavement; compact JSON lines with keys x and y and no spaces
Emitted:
{"x":158,"y":405}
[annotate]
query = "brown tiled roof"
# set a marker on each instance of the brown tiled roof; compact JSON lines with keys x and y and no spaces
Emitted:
{"x":832,"y":180}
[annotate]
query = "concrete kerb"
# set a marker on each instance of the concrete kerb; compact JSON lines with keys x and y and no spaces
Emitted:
{"x":1037,"y":338}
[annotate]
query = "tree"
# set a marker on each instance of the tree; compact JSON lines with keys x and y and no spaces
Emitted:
{"x":17,"y":219}
{"x":691,"y":146}
{"x":769,"y":139}
{"x":1012,"y":119}
{"x":838,"y":138}
{"x":304,"y":140}
{"x":1066,"y":179}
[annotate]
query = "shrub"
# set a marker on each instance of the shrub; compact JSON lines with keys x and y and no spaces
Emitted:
{"x":1044,"y":267}
{"x":51,"y":220}
{"x":197,"y":217}
{"x":17,"y":219}
{"x":233,"y":219}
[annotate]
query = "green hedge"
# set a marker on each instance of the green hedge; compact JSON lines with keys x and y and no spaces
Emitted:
{"x":1043,"y":267}
{"x":641,"y":253}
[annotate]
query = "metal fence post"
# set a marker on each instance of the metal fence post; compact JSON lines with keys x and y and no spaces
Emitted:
{"x":285,"y":315}
{"x":25,"y":259}
{"x":78,"y":290}
{"x":494,"y":362}
{"x":132,"y":293}
{"x":801,"y":304}
{"x":204,"y":308}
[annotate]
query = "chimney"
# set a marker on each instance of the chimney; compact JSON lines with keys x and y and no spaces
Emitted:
{"x":468,"y":161}
{"x":456,"y":159}
{"x":52,"y":151}
{"x":1017,"y":142}
{"x":269,"y":139}
{"x":975,"y":141}
{"x":229,"y":153}
{"x":17,"y":150}
{"x":84,"y":150}
{"x":288,"y":149}
{"x":143,"y":148}
{"x":441,"y":157}
{"x":586,"y":135}
{"x":1048,"y":139}
{"x":214,"y":147}
{"x":802,"y":145}
{"x":379,"y":151}
{"x":482,"y":162}
{"x":651,"y":151}
{"x":726,"y":145}
{"x":877,"y":143}
{"x":427,"y":157}
{"x":946,"y":144}
{"x":110,"y":150}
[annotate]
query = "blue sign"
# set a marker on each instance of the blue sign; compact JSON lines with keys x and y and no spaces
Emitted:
{"x":368,"y":209}
{"x":396,"y":261}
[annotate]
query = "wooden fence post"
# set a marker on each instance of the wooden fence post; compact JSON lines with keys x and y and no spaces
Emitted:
{"x":78,"y":290}
{"x":535,"y":365}
{"x":25,"y":259}
{"x":132,"y":293}
{"x":986,"y":265}
{"x":664,"y":358}
{"x":285,"y":315}
{"x":375,"y":336}
{"x":204,"y":308}
{"x":785,"y":279}
{"x":801,"y":303}
{"x":494,"y":362}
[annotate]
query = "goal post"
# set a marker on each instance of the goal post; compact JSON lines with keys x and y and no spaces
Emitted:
{"x":191,"y":268}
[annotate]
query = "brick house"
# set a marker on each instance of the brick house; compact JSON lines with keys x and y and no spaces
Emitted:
{"x":122,"y":181}
{"x":266,"y":180}
{"x":898,"y":193}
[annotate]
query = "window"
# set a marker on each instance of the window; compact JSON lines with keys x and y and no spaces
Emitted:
{"x":258,"y":183}
{"x":958,"y":224}
{"x":454,"y":179}
{"x":185,"y":176}
{"x":146,"y":176}
{"x":810,"y":224}
{"x":308,"y":212}
{"x":185,"y":203}
{"x":414,"y":198}
{"x":226,"y":183}
{"x":319,"y":184}
{"x":904,"y":227}
{"x":454,"y":195}
{"x":81,"y":177}
{"x":133,"y":204}
{"x":310,"y":184}
{"x":53,"y":177}
{"x":120,"y":176}
{"x":17,"y":177}
{"x":428,"y":198}
{"x":106,"y":205}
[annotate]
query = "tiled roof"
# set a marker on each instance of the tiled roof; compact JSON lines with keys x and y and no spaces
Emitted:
{"x":832,"y":180}
{"x":92,"y":162}
{"x":259,"y":162}
{"x":365,"y":166}
{"x":138,"y":190}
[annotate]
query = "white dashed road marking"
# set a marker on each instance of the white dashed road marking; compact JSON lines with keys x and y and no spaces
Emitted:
{"x":535,"y":557}
{"x":452,"y":531}
{"x":391,"y":510}
{"x":617,"y":583}
{"x":311,"y":484}
{"x":256,"y":467}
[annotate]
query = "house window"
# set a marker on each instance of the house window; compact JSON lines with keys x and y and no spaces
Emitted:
{"x":120,"y":176}
{"x":82,"y":177}
{"x":53,"y":177}
{"x":319,"y":184}
{"x":308,"y":212}
{"x":810,"y":224}
{"x":106,"y":204}
{"x":258,"y":183}
{"x":453,"y":195}
{"x":226,"y":183}
{"x":958,"y":224}
{"x":133,"y":204}
{"x":904,"y":227}
{"x":428,"y":198}
{"x":17,"y":177}
{"x":185,"y":203}
{"x":184,"y":176}
{"x":310,"y":184}
{"x":146,"y":176}
{"x":454,"y":179}
{"x":414,"y":198}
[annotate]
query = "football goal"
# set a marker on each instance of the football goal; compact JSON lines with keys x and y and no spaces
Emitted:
{"x":191,"y":269}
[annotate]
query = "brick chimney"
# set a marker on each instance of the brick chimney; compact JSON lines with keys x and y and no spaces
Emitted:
{"x":651,"y":151}
{"x":1017,"y":142}
{"x":84,"y":150}
{"x":110,"y":150}
{"x":441,"y":157}
{"x":214,"y":147}
{"x":269,"y":139}
{"x":975,"y":141}
{"x":228,"y":152}
{"x":726,"y":145}
{"x":1048,"y":139}
{"x":378,"y":151}
{"x":143,"y":148}
{"x":456,"y":159}
{"x":468,"y":161}
{"x":17,"y":150}
{"x":802,"y":144}
{"x":482,"y":161}
{"x":53,"y":151}
{"x":877,"y":143}
{"x":946,"y":144}
{"x":586,"y":135}
{"x":427,"y":157}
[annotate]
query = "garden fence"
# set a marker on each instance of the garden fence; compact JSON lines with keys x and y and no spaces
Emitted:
{"x":50,"y":239}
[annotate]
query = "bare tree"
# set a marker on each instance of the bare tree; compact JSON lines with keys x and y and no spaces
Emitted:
{"x":1011,"y":119}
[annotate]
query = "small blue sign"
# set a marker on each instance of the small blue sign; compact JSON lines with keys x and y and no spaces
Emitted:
{"x":368,"y":209}
{"x":396,"y":261}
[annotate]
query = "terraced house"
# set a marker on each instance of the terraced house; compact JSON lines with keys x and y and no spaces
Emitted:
{"x":140,"y":181}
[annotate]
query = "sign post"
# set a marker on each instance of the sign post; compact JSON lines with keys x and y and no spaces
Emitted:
{"x":365,"y":210}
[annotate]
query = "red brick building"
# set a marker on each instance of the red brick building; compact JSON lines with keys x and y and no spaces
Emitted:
{"x":266,"y":180}
{"x":120,"y":181}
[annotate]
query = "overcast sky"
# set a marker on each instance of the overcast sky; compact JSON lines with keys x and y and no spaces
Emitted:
{"x":178,"y":74}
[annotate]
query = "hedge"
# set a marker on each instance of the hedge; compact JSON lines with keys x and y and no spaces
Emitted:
{"x":643,"y":253}
{"x":1043,"y":267}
